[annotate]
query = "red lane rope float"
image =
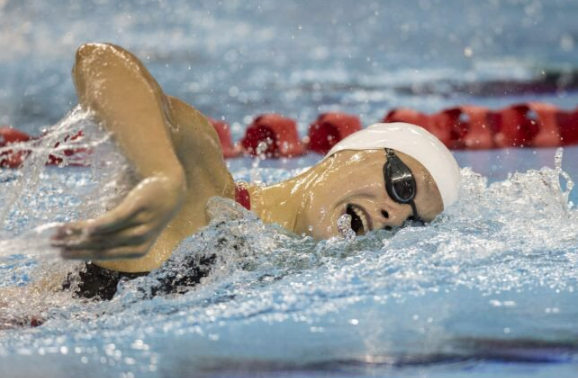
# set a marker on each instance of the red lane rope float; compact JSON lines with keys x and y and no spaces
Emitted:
{"x":14,"y":159}
{"x":9,"y":158}
{"x":330,"y":128}
{"x":223,"y":130}
{"x":273,"y":136}
{"x":458,"y":128}
{"x":568,"y":122}
{"x":531,"y":124}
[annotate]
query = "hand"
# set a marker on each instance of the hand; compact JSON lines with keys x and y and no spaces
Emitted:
{"x":127,"y":231}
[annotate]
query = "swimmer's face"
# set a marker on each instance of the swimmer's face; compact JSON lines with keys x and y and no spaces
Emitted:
{"x":352,"y":182}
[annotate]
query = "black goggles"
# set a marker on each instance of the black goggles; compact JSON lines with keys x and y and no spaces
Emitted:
{"x":400,"y":183}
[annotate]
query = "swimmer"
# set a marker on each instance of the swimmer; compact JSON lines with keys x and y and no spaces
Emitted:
{"x":382,"y":177}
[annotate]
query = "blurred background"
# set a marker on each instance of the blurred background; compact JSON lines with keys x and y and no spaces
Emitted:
{"x":235,"y":59}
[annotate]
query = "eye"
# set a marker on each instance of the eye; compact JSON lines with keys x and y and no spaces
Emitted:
{"x":404,"y":188}
{"x":385,"y":214}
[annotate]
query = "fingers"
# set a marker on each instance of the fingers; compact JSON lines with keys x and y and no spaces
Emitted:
{"x":129,"y":230}
{"x":132,"y":236}
{"x":115,"y":220}
{"x":85,"y":234}
{"x":131,"y":243}
{"x":105,"y":229}
{"x":127,"y":252}
{"x":77,"y":241}
{"x":68,"y":232}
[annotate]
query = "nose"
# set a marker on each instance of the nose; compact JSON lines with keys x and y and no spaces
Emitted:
{"x":394,"y":216}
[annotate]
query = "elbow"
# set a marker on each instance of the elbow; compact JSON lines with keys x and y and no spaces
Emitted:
{"x":89,"y":61}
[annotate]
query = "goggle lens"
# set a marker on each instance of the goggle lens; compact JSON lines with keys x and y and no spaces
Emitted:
{"x":403,"y":186}
{"x":399,"y":182}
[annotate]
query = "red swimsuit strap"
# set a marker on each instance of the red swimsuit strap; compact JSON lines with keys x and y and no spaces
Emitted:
{"x":242,"y":196}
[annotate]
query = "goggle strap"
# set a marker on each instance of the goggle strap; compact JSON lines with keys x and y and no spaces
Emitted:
{"x":414,"y":210}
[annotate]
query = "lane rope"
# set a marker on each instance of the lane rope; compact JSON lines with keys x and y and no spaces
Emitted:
{"x":531,"y":124}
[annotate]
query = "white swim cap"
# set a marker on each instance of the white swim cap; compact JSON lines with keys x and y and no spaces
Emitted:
{"x":416,"y":142}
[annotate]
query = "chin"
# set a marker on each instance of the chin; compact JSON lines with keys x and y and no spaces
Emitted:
{"x":325,"y":230}
{"x":321,"y":225}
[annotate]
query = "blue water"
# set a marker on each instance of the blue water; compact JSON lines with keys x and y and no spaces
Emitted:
{"x":489,"y":289}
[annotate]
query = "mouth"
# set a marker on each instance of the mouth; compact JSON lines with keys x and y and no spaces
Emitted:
{"x":360,"y":220}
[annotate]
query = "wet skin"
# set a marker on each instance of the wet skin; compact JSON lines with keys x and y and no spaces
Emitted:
{"x":177,"y":155}
{"x":347,"y":182}
{"x":174,"y":150}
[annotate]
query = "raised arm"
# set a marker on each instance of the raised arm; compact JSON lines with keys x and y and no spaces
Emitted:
{"x":129,"y":103}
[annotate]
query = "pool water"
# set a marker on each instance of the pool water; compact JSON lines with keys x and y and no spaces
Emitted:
{"x":489,"y":288}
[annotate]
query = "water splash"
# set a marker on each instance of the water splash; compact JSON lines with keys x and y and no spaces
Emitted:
{"x":35,"y":198}
{"x":256,"y":176}
{"x":507,"y":249}
{"x":344,"y":227}
{"x":563,"y":175}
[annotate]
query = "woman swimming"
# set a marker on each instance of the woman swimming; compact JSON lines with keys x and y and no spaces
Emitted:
{"x":381,"y":176}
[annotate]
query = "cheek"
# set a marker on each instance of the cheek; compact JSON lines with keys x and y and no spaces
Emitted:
{"x":320,"y":214}
{"x":320,"y":217}
{"x":353,"y":189}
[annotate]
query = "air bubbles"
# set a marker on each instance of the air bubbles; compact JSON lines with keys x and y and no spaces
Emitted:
{"x":344,"y":227}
